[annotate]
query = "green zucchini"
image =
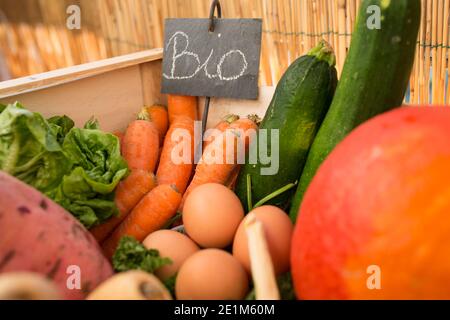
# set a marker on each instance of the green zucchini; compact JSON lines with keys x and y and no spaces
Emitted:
{"x":374,"y":79}
{"x":300,"y":103}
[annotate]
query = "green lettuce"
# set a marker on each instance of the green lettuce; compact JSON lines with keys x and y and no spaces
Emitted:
{"x":78,"y":168}
{"x":61,"y":126}
{"x":29,"y":149}
{"x":92,"y":123}
{"x":87,"y":191}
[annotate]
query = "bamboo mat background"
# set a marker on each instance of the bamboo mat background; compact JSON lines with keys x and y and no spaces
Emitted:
{"x":34,"y":37}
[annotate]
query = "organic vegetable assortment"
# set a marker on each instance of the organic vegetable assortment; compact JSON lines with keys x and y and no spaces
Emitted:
{"x":201,"y":231}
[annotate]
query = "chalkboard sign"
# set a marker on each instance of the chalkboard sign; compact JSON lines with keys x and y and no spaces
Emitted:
{"x":223,"y":63}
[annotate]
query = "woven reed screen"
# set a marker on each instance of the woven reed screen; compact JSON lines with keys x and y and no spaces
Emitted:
{"x":34,"y":37}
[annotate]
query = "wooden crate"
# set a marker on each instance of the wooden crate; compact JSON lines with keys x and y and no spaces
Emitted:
{"x":112,"y":90}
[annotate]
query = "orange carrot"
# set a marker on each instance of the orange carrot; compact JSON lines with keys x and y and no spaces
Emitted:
{"x":231,"y":183}
{"x":141,"y":145}
{"x":182,"y":106}
{"x":223,"y":125}
{"x":247,"y":125}
{"x":118,"y":134}
{"x":244,"y":124}
{"x":226,"y":122}
{"x":208,"y":170}
{"x":128,"y":194}
{"x":159,"y":116}
{"x":150,"y":215}
{"x":170,"y":171}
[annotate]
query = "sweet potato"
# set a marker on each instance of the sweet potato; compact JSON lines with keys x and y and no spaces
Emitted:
{"x":39,"y":236}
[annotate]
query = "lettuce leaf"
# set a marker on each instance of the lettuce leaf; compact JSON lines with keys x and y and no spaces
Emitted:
{"x":98,"y":167}
{"x":98,"y":153}
{"x":29,"y":149}
{"x":78,"y":168}
{"x":61,"y":126}
{"x":92,"y":123}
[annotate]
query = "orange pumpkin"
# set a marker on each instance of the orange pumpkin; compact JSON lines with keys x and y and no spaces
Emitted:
{"x":375,"y":221}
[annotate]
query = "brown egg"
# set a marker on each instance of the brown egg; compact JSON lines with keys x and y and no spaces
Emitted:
{"x":211,"y":274}
{"x":173,"y":245}
{"x":211,"y":215}
{"x":278,"y":229}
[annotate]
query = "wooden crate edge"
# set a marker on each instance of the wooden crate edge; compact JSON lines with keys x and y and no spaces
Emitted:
{"x":60,"y":76}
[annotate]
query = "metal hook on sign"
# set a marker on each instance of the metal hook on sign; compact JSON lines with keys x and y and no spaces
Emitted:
{"x":214,"y":5}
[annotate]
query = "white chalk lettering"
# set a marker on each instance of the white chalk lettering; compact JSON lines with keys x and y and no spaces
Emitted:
{"x":178,"y":54}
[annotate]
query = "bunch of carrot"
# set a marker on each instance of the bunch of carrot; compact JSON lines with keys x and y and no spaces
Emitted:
{"x":235,"y":131}
{"x":158,"y":185}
